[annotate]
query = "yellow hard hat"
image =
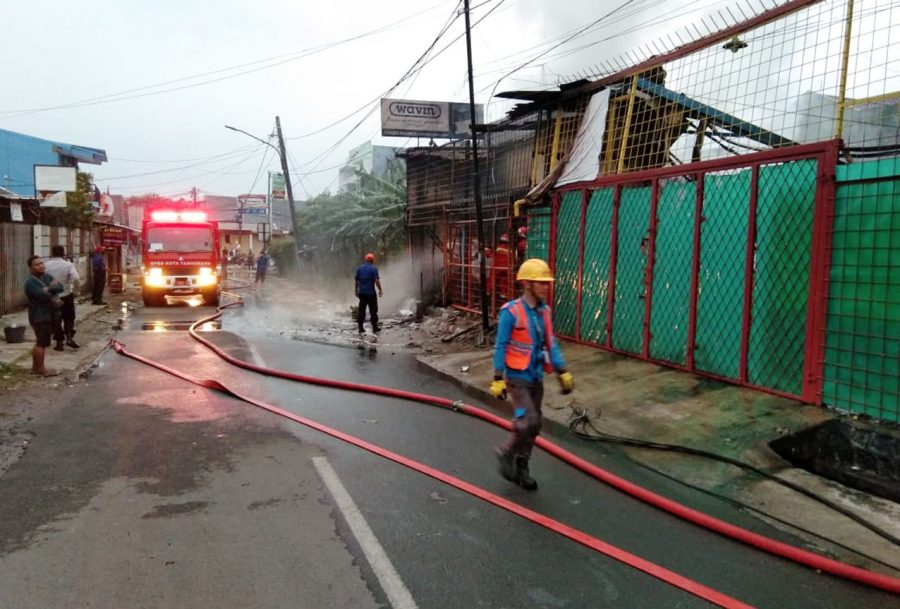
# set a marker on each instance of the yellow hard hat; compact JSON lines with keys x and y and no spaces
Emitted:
{"x":534,"y":269}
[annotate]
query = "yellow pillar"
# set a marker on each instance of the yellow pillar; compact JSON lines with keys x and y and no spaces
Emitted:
{"x":628,"y":114}
{"x":842,"y":96}
{"x":554,"y":150}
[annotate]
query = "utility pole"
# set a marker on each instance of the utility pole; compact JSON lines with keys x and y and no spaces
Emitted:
{"x":287,"y":185}
{"x":476,"y":185}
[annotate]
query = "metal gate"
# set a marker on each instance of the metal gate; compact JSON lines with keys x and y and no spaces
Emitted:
{"x":718,"y":268}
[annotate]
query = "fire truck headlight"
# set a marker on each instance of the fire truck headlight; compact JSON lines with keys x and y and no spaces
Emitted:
{"x":154,"y":278}
{"x":207,"y":277}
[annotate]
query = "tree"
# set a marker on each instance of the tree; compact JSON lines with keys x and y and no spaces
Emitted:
{"x":79,"y":211}
{"x":339,"y":229}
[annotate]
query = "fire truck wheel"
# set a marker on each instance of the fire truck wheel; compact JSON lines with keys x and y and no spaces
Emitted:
{"x":211,"y":299}
{"x":153,"y":299}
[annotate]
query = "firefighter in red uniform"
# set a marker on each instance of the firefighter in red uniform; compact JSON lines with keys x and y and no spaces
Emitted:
{"x":521,"y":244}
{"x":525,"y":349}
{"x":498,"y":279}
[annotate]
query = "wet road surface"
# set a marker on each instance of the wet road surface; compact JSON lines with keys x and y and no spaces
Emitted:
{"x":152,"y":492}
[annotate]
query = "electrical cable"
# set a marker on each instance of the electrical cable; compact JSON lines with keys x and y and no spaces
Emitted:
{"x":772,"y":546}
{"x":577,"y":33}
{"x":581,"y":419}
{"x":746,"y":506}
{"x":259,"y":171}
{"x":225,"y":156}
{"x":293,"y":56}
{"x":409,"y":72}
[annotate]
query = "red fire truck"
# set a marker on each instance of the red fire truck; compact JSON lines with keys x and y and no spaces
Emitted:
{"x":181,"y":255}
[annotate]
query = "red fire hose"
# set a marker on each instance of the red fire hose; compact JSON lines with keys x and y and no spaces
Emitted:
{"x":798,"y":555}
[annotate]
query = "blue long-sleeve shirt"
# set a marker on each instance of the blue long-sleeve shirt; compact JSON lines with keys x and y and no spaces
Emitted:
{"x":39,"y":309}
{"x":535,"y":371}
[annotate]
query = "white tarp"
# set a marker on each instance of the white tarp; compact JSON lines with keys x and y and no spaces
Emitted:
{"x":584,"y":160}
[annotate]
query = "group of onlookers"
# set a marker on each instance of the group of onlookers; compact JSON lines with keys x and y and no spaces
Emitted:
{"x":51,"y":288}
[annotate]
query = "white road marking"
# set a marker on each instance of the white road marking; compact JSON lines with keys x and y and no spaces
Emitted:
{"x":257,"y":358}
{"x":397,"y":593}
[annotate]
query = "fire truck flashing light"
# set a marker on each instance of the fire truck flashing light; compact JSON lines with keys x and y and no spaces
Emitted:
{"x":174,"y":216}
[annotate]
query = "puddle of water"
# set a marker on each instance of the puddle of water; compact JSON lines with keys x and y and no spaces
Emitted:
{"x":182,"y":326}
{"x":857,"y":454}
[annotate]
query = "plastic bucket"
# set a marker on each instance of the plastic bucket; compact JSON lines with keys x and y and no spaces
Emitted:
{"x":14,"y":334}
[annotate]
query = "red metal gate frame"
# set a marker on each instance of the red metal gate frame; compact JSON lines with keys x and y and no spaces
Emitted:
{"x":826,"y":155}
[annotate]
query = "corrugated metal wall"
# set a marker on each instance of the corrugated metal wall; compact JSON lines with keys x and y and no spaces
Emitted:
{"x":16,"y":245}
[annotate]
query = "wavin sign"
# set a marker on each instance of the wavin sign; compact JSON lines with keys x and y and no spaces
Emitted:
{"x":407,"y":110}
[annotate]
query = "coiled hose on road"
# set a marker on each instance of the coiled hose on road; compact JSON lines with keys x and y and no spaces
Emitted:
{"x":772,"y":546}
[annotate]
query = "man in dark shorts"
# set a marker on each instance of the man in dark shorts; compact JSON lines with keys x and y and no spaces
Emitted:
{"x":40,"y":288}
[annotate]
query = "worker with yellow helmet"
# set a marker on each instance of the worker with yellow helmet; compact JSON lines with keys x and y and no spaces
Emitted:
{"x":525,"y":349}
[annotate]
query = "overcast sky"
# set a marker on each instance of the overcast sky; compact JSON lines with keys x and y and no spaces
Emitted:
{"x":154,"y":83}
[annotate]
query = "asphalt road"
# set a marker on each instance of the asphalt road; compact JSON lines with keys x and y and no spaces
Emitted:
{"x":147,"y":491}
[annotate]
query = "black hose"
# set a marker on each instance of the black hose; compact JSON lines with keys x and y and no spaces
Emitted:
{"x":581,"y":419}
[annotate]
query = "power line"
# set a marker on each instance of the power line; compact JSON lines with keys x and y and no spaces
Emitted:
{"x":416,"y":65}
{"x":224,"y":156}
{"x":577,"y":33}
{"x":413,"y":70}
{"x":270,"y":62}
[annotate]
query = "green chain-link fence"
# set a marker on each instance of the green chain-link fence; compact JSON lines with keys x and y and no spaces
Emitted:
{"x":671,"y":303}
{"x":568,"y":240}
{"x":723,"y":252}
{"x":784,"y":222}
{"x":862,"y":356}
{"x":629,"y":307}
{"x":538,"y":244}
{"x":595,"y":272}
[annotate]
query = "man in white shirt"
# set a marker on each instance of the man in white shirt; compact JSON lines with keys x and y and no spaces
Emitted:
{"x":65,"y":273}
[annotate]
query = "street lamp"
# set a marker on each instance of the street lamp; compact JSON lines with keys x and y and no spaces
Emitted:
{"x":282,"y":154}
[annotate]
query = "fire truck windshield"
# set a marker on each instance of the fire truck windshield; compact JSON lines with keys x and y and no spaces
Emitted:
{"x":179,"y":239}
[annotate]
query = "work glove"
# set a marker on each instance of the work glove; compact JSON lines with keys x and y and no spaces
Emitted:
{"x":498,"y":389}
{"x":566,"y":382}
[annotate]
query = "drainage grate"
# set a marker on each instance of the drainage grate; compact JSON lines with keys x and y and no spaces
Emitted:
{"x":857,"y":454}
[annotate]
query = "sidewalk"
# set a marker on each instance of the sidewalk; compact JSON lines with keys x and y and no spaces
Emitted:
{"x":635,"y":399}
{"x":69,"y":362}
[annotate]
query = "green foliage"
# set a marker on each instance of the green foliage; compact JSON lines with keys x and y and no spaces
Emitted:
{"x":282,"y":252}
{"x":339,"y":229}
{"x":78,"y":212}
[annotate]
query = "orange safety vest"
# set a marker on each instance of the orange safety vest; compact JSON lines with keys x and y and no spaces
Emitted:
{"x":518,"y":351}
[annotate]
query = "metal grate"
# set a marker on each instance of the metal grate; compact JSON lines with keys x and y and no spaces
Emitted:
{"x":670,"y":312}
{"x":784,"y":219}
{"x":862,"y":356}
{"x":723,"y":244}
{"x":631,"y":261}
{"x":568,"y":238}
{"x":595,"y":273}
{"x":776,"y":79}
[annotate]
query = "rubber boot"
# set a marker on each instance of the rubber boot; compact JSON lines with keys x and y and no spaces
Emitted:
{"x":507,"y":466}
{"x":523,"y":478}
